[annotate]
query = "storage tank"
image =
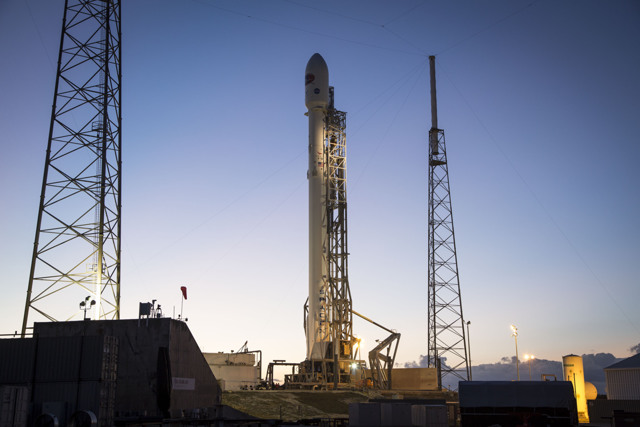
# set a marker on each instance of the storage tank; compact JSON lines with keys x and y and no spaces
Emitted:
{"x":573,"y":371}
{"x":590,"y":391}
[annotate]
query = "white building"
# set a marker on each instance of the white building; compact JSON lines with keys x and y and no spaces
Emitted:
{"x":234,"y":371}
{"x":623,"y":379}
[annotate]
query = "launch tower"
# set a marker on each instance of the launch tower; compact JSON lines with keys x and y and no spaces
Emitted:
{"x":446,"y":334}
{"x":76,"y":253}
{"x":340,"y":294}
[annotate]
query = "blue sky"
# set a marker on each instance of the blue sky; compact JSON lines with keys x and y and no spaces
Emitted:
{"x":540,"y":103}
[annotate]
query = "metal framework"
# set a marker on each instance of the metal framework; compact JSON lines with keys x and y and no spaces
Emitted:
{"x":381,"y":360}
{"x":339,"y":292}
{"x":382,"y":357}
{"x":335,"y":367}
{"x":446,"y":333}
{"x":77,"y":241}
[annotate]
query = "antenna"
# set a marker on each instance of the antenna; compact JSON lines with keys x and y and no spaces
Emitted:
{"x":433,"y":133}
{"x":434,"y":102}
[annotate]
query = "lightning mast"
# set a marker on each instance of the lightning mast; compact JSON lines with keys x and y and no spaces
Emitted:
{"x":76,"y":250}
{"x":446,"y":334}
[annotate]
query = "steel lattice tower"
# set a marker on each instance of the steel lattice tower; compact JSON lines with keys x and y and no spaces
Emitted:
{"x":446,"y":334}
{"x":339,"y":291}
{"x":77,"y":242}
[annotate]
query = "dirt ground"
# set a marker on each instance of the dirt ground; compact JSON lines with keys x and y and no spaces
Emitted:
{"x":294,"y":405}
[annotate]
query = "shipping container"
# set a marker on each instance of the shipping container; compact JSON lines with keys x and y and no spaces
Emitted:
{"x":364,"y":415}
{"x":549,"y":403}
{"x":429,"y":416}
{"x":396,"y":414}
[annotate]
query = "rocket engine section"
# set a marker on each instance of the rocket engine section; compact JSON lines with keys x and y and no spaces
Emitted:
{"x":317,"y":100}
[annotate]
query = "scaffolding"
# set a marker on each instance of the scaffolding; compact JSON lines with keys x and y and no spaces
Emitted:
{"x":339,"y":292}
{"x":77,"y":241}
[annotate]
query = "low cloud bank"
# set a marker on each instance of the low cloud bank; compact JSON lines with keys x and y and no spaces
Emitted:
{"x":505,"y":369}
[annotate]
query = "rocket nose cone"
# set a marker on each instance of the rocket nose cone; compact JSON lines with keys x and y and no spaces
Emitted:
{"x":316,"y":82}
{"x":316,"y":64}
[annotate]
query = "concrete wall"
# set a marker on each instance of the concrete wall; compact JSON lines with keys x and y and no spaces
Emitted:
{"x":414,"y":379}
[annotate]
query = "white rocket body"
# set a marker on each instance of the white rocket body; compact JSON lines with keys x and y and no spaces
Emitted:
{"x":317,"y":99}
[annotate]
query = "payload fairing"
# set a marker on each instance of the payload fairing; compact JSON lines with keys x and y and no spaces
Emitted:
{"x":317,"y":101}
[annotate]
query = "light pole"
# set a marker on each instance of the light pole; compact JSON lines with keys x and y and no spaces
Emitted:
{"x":86,"y":305}
{"x":514,"y":334}
{"x":469,"y":350}
{"x":529,"y":358}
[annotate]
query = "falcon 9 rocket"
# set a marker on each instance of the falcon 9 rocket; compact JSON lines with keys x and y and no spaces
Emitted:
{"x":317,"y":101}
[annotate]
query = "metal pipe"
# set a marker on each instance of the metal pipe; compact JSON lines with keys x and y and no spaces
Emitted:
{"x":371,"y":321}
{"x":434,"y":107}
{"x":469,"y":351}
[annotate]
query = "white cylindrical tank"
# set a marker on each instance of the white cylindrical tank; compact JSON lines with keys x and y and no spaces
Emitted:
{"x":590,"y":391}
{"x":573,"y":371}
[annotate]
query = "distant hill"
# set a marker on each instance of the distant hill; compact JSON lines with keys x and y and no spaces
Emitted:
{"x":505,"y":369}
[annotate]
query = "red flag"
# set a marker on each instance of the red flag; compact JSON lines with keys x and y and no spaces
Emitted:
{"x":184,"y":291}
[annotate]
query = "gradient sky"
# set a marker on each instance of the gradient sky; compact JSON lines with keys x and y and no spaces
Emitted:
{"x":540,"y":103}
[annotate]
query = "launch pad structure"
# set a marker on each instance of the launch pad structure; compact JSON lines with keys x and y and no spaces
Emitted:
{"x":77,"y":242}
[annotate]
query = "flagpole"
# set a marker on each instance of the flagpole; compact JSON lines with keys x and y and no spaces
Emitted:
{"x":183,"y":289}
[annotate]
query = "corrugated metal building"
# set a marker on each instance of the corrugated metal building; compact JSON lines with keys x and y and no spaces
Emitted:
{"x":115,"y":369}
{"x":623,"y":379}
{"x":14,"y":406}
